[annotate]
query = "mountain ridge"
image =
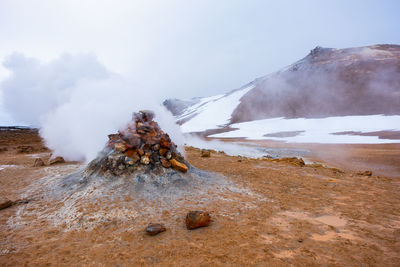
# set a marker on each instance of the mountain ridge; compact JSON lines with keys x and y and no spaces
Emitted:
{"x":326,"y":82}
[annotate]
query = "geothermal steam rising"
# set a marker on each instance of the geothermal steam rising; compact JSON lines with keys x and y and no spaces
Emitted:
{"x":76,"y":102}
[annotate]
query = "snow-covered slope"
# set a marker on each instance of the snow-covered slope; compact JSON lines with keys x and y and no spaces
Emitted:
{"x":328,"y":91}
{"x":211,"y":112}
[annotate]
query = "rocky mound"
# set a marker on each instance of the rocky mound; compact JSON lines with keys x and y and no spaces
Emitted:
{"x":141,"y":147}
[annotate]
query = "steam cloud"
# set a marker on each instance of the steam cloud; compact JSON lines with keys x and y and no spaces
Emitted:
{"x":76,"y":102}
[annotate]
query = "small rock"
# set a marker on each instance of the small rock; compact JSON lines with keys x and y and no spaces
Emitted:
{"x":165,"y":163}
{"x":165,"y":143}
{"x":196,"y":219}
{"x":155,"y":228}
{"x":154,"y":157}
{"x":156,"y":147}
{"x":5,"y":203}
{"x":163,"y":151}
{"x":168,"y":155}
{"x":128,"y":161}
{"x":145,"y":160}
{"x":133,"y":156}
{"x":140,"y":152}
{"x":205,"y":153}
{"x":178,"y":165}
{"x":365,"y":173}
{"x":38,"y":162}
{"x":56,"y":160}
{"x":119,"y":147}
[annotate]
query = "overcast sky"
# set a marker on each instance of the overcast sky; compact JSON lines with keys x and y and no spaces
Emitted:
{"x":184,"y":48}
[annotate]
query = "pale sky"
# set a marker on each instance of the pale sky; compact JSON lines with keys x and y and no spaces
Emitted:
{"x":184,"y":48}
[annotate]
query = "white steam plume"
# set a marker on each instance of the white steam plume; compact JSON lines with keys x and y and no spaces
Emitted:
{"x":76,"y":102}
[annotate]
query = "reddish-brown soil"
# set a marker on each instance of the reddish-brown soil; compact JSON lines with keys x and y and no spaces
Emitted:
{"x":278,"y":215}
{"x":381,"y":159}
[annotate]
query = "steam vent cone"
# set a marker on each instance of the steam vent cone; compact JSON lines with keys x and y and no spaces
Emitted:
{"x":141,"y":148}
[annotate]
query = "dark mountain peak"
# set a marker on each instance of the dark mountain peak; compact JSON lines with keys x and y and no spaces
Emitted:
{"x":319,"y":50}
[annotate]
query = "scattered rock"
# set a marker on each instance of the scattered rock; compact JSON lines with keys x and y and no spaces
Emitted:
{"x":56,"y":160}
{"x":38,"y":162}
{"x":178,"y":165}
{"x":196,"y":219}
{"x":155,"y":228}
{"x":364,"y":173}
{"x":205,"y":153}
{"x":5,"y":203}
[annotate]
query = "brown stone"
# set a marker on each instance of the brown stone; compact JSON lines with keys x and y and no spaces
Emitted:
{"x":130,"y":152}
{"x":155,"y":228}
{"x":56,"y":160}
{"x":178,"y":165}
{"x":364,"y":173}
{"x":38,"y":162}
{"x":5,"y":203}
{"x":164,"y":143}
{"x":196,"y":219}
{"x":162,"y":151}
{"x":165,"y":163}
{"x":119,"y":147}
{"x":205,"y":153}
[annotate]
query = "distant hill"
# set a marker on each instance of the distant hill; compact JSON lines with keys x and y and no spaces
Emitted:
{"x":327,"y":82}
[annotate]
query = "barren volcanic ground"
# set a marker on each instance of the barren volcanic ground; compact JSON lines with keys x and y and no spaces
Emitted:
{"x":264,"y":214}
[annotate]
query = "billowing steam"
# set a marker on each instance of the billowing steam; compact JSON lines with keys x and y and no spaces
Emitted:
{"x":76,"y":102}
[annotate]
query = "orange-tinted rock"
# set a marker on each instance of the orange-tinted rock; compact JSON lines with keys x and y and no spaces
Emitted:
{"x":196,"y":219}
{"x":164,"y":142}
{"x":130,"y":152}
{"x":178,"y":165}
{"x":162,"y":151}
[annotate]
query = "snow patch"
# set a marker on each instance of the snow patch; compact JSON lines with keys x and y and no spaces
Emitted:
{"x":318,"y":130}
